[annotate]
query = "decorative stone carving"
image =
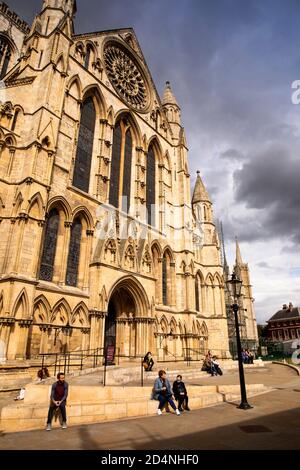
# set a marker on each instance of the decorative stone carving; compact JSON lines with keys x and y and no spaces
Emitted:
{"x":97,"y":314}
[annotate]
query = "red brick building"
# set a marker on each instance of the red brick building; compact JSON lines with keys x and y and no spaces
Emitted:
{"x":285,"y":324}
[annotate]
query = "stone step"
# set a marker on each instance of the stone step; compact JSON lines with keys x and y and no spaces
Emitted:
{"x":120,"y":375}
{"x":98,"y":404}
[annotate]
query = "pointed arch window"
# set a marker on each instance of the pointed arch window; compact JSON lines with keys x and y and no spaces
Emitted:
{"x":87,"y":57}
{"x":5,"y":56}
{"x":74,"y":253}
{"x":14,"y":123}
{"x":49,"y":248}
{"x":150,"y":187}
{"x":115,"y":167}
{"x":83,"y":162}
{"x":127,"y":172}
{"x":165,"y":280}
{"x":197,"y":293}
{"x":121,"y":164}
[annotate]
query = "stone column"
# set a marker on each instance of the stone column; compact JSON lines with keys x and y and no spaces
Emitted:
{"x":159,"y":281}
{"x":97,"y":319}
{"x":214,"y":299}
{"x":133,"y":337}
{"x":44,"y":338}
{"x":12,"y":152}
{"x":173,"y":283}
{"x":50,"y":163}
{"x":5,"y":329}
{"x":139,"y":339}
{"x":126,"y":333}
{"x":144,"y":344}
{"x":187,"y":300}
{"x":38,"y":148}
{"x":89,"y":242}
{"x":24,"y":326}
{"x":2,"y":146}
{"x":222,"y":294}
{"x":120,"y":323}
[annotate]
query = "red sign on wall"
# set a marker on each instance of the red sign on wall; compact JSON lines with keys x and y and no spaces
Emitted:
{"x":110,"y":354}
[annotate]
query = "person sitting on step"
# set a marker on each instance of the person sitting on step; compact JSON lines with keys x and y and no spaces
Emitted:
{"x":163,"y":393}
{"x":180,"y":394}
{"x":148,"y":362}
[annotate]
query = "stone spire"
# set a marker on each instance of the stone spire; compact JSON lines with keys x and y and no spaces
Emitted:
{"x":200,"y":192}
{"x":52,"y":15}
{"x":68,"y":6}
{"x":172,"y":111}
{"x":169,"y":98}
{"x":238,"y":256}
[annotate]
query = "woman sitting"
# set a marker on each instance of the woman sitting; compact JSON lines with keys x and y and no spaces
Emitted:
{"x":148,"y":362}
{"x":163,"y":393}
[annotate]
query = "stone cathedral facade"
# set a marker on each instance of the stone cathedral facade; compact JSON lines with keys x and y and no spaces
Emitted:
{"x":101,"y":242}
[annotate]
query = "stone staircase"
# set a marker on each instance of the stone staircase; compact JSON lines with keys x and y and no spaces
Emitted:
{"x":126,"y":374}
{"x":91,"y":404}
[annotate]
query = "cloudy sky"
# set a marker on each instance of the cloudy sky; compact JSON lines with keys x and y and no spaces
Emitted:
{"x":231,"y":64}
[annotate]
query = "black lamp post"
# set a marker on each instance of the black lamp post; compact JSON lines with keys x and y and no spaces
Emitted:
{"x":235,"y":286}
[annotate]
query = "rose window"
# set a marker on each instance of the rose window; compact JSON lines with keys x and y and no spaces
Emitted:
{"x":126,"y":77}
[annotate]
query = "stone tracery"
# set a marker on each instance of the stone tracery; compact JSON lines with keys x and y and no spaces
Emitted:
{"x":126,"y":77}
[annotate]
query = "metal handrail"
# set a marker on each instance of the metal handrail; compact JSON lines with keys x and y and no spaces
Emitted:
{"x":63,"y":360}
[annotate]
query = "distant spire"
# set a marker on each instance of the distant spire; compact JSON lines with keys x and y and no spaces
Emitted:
{"x":200,"y":192}
{"x":238,"y":256}
{"x":169,"y":98}
{"x":225,"y":264}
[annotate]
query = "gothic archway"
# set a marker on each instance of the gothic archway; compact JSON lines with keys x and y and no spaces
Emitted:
{"x":127,"y":325}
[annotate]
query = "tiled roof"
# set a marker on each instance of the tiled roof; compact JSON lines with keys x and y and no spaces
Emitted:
{"x":286,"y":314}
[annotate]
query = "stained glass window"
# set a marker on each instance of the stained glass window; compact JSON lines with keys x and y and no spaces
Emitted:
{"x":127,"y":171}
{"x":150,"y":187}
{"x":5,"y":55}
{"x":87,"y":57}
{"x":115,"y":167}
{"x":49,"y":249}
{"x":74,"y":254}
{"x":82,"y":170}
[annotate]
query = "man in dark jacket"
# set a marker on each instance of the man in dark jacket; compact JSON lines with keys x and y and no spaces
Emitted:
{"x":59,"y":395}
{"x":180,"y":394}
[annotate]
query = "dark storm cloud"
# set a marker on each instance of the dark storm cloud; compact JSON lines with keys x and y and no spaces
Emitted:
{"x":232,"y":154}
{"x":270,"y":182}
{"x":263,"y":264}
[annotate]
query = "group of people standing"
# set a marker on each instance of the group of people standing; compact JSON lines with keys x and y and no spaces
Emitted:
{"x":247,"y":356}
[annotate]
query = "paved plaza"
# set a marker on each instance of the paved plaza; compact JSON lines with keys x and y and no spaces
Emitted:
{"x":273,"y":423}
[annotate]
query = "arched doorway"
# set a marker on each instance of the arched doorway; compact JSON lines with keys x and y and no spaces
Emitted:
{"x":120,"y":325}
{"x":126,"y":328}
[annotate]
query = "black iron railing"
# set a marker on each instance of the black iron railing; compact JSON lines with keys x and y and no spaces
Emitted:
{"x":64,"y":362}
